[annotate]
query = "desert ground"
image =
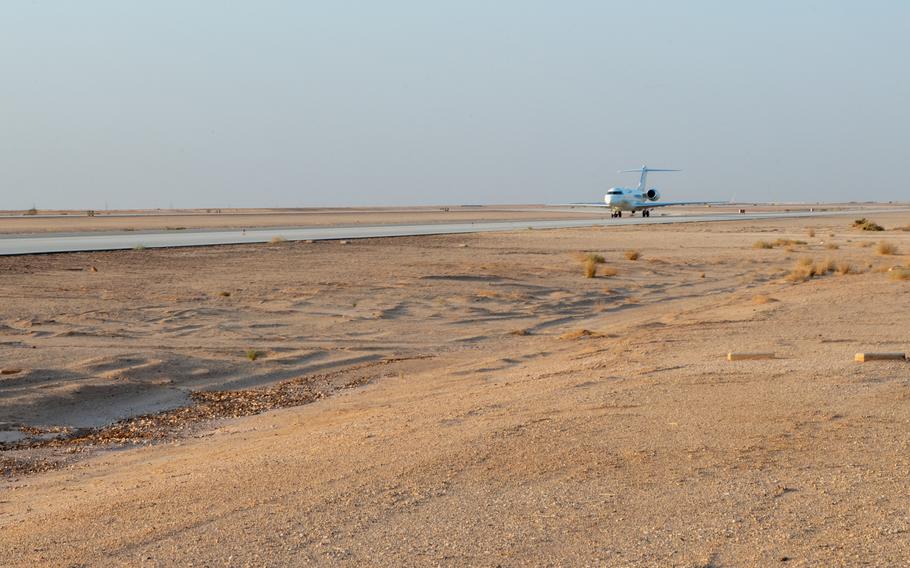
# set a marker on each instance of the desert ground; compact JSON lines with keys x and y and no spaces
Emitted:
{"x":463,"y":400}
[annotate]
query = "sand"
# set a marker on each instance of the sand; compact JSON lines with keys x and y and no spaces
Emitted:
{"x":460,"y":400}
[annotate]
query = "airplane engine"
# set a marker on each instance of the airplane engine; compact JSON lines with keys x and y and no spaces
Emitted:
{"x":652,"y":194}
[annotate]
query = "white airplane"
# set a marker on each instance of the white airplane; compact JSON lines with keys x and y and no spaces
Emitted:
{"x":633,"y":199}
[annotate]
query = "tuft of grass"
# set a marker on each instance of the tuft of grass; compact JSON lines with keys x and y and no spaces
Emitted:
{"x":224,"y":294}
{"x":824,"y":267}
{"x":800,"y":274}
{"x":900,"y":274}
{"x":139,"y":248}
{"x":811,"y":232}
{"x":844,"y":268}
{"x":702,"y":275}
{"x":252,"y":354}
{"x":762,"y":245}
{"x":277,"y":239}
{"x":579,"y":334}
{"x":632,"y":255}
{"x":591,"y":261}
{"x":832,"y":246}
{"x":520,"y":332}
{"x":885,"y":248}
{"x":867,"y":225}
{"x":806,"y":261}
{"x":763,"y":299}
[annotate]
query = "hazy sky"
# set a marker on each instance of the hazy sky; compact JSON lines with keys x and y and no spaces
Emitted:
{"x":266,"y":103}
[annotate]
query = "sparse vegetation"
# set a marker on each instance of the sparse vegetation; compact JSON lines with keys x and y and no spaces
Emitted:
{"x":824,"y":267}
{"x":904,"y":228}
{"x":811,"y":232}
{"x":900,"y":274}
{"x":867,"y":225}
{"x":579,"y":334}
{"x":788,"y":242}
{"x":832,"y":246}
{"x":224,"y":294}
{"x":762,"y":245}
{"x":843,"y":268}
{"x":632,"y":255}
{"x":252,"y":354}
{"x":591,"y":261}
{"x":763,"y":299}
{"x":277,"y":240}
{"x":520,"y":332}
{"x":885,"y":248}
{"x":139,"y":248}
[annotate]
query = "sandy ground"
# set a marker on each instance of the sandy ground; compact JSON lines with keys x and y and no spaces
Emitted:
{"x":77,"y":221}
{"x":460,"y":400}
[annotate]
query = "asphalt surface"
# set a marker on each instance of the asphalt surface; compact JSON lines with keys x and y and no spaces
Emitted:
{"x":76,"y":242}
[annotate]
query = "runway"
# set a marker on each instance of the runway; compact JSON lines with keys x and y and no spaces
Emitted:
{"x":81,"y":242}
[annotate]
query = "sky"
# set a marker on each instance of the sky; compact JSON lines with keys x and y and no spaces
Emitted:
{"x":266,"y":103}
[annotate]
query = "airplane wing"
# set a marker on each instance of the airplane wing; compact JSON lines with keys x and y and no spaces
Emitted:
{"x":669,"y":203}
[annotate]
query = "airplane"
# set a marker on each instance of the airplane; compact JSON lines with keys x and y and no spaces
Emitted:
{"x":633,"y":199}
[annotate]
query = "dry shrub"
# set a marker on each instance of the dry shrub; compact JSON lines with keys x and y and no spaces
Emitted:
{"x":762,"y":299}
{"x":277,"y":239}
{"x":520,"y":332}
{"x":832,"y":246}
{"x":702,"y":275}
{"x":825,"y":266}
{"x":486,"y":294}
{"x":632,"y":255}
{"x":252,"y":354}
{"x":762,"y":245}
{"x":811,"y":232}
{"x":224,"y":294}
{"x":800,"y":274}
{"x":885,"y":248}
{"x":843,"y":268}
{"x":790,"y":248}
{"x":904,"y":228}
{"x":806,"y":261}
{"x":900,"y":274}
{"x":591,"y":261}
{"x":867,"y":225}
{"x":580,"y":334}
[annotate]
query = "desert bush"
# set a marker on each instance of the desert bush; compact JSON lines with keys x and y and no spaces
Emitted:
{"x":224,"y":294}
{"x":788,"y":242}
{"x":900,"y":274}
{"x":824,"y":267}
{"x":811,"y":232}
{"x":832,"y":246}
{"x":806,"y":261}
{"x":763,"y":299}
{"x":139,"y":248}
{"x":867,"y":225}
{"x":885,"y":248}
{"x":591,"y":261}
{"x":252,"y":354}
{"x":277,"y":239}
{"x":632,"y":255}
{"x":762,"y":245}
{"x":843,"y":268}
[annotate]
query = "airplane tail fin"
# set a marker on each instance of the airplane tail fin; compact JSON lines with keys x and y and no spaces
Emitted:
{"x":643,"y":180}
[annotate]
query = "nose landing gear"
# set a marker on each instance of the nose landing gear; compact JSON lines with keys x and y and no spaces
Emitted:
{"x":616,"y":214}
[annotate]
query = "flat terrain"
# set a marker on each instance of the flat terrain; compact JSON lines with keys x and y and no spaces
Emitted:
{"x":461,"y":400}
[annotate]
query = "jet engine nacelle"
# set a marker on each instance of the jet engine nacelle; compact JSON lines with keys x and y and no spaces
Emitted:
{"x":652,"y":194}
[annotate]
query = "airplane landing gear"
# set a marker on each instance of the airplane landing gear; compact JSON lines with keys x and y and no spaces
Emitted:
{"x":616,"y":214}
{"x":646,"y":213}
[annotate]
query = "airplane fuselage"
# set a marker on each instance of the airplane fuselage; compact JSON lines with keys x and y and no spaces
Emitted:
{"x":629,"y":199}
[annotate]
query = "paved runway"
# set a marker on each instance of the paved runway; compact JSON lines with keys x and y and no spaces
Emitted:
{"x":73,"y":242}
